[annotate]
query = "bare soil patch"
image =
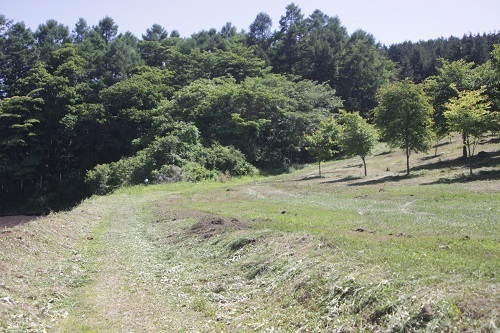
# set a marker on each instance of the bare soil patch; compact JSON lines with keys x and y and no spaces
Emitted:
{"x":215,"y":225}
{"x":12,"y":221}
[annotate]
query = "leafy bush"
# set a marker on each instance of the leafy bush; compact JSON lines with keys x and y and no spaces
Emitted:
{"x":97,"y":179}
{"x":169,"y":159}
{"x":224,"y":159}
{"x":196,"y":172}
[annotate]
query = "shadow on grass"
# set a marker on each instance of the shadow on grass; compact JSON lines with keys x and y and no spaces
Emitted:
{"x":441,"y":144}
{"x":342,"y":180}
{"x":309,"y":178}
{"x":465,"y":178}
{"x":492,"y":140}
{"x":482,"y":159}
{"x":353,"y":166}
{"x":384,"y":153}
{"x":14,"y":221}
{"x":430,"y":157}
{"x":383,"y":180}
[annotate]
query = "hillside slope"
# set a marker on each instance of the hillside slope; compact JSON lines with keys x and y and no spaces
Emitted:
{"x":293,"y":253}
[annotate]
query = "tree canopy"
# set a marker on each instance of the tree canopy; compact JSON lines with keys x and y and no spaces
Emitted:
{"x":403,"y":117}
{"x":469,"y":114}
{"x":357,"y":137}
{"x":97,"y":101}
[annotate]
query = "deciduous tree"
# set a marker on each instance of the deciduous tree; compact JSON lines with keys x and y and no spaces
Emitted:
{"x":469,"y":114}
{"x":403,"y":117}
{"x":323,"y":143}
{"x":357,"y":137}
{"x":439,"y":87}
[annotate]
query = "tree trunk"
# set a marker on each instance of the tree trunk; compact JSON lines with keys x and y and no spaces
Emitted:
{"x":407,"y":160}
{"x":470,"y":156}
{"x":319,"y":168}
{"x":364,"y":163}
{"x":464,"y":147}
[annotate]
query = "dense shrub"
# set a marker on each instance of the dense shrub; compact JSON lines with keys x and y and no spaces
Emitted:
{"x":168,"y":159}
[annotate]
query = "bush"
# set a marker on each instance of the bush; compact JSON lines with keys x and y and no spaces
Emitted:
{"x":169,"y":159}
{"x":97,"y":179}
{"x":196,"y":172}
{"x":224,"y":159}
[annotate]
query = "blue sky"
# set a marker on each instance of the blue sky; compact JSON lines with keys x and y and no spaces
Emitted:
{"x":389,"y":21}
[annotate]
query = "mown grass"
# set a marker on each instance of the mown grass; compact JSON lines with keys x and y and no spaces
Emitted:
{"x":291,"y":253}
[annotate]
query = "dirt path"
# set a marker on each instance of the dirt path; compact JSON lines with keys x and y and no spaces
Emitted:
{"x":127,"y":290}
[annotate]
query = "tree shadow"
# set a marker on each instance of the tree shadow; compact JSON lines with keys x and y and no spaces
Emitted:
{"x":353,"y":166}
{"x":482,"y":159}
{"x":465,"y":178}
{"x":342,"y":180}
{"x":384,"y":153}
{"x":441,"y":144}
{"x":430,"y":157}
{"x":383,"y":180}
{"x":309,"y":178}
{"x":492,"y":140}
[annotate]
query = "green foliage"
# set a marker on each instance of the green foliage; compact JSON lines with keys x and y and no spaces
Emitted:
{"x":19,"y":127}
{"x":469,"y":114}
{"x":224,"y":159}
{"x":420,"y":60}
{"x":169,"y":158}
{"x":18,"y":54}
{"x":97,"y":179}
{"x":440,"y":89}
{"x":489,"y":74}
{"x":323,"y":143}
{"x":288,"y":48}
{"x":357,"y":137}
{"x":264,"y":117}
{"x":403,"y":117}
{"x":107,"y":29}
{"x":105,"y":97}
{"x":50,"y":36}
{"x":320,"y":49}
{"x":144,"y":90}
{"x":260,"y":31}
{"x":363,"y":71}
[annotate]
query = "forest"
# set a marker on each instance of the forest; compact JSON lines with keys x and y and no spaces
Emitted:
{"x":88,"y":109}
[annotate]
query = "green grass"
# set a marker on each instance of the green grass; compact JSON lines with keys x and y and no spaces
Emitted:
{"x":289,"y":253}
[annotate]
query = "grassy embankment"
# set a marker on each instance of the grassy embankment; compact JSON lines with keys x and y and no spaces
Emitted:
{"x":293,"y":253}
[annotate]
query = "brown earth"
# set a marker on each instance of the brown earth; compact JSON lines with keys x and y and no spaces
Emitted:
{"x":12,"y":221}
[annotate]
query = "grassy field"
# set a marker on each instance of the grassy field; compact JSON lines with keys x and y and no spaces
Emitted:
{"x":290,"y":253}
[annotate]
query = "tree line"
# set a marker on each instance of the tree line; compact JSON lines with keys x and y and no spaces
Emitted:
{"x":90,"y":109}
{"x":420,"y":60}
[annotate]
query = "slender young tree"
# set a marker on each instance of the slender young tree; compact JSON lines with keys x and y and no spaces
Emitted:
{"x":357,"y":137}
{"x":322,"y":143}
{"x":439,"y":88}
{"x":469,"y":114}
{"x":403,"y":117}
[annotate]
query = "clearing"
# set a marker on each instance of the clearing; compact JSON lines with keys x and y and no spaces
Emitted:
{"x":291,"y":253}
